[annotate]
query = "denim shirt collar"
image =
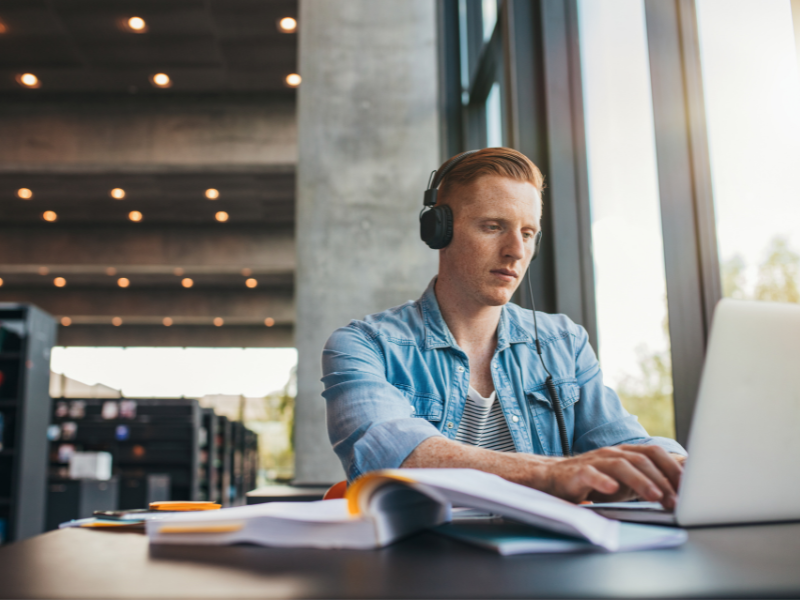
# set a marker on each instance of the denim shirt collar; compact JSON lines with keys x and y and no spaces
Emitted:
{"x":437,"y":333}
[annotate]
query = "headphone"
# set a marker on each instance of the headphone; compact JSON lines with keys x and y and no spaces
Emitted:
{"x":436,"y":230}
{"x":436,"y":222}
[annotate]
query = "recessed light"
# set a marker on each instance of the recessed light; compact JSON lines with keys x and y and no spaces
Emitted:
{"x":293,"y":80}
{"x":212,"y":194}
{"x":135,"y":216}
{"x":117,"y":193}
{"x":66,"y":321}
{"x":178,"y":272}
{"x":251,"y":283}
{"x":166,"y":321}
{"x":287,"y":25}
{"x":269,"y":321}
{"x":137,"y":24}
{"x":59,"y":282}
{"x":116,"y":321}
{"x":187,"y":283}
{"x":221,"y":216}
{"x":161,"y":80}
{"x":28,"y":80}
{"x":1,"y":282}
{"x":219,"y":321}
{"x":123,"y":282}
{"x":25,"y":193}
{"x":43,"y":271}
{"x":247,"y":272}
{"x":49,"y":216}
{"x":111,"y":271}
{"x":3,"y":28}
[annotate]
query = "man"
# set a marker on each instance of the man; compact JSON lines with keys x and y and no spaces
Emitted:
{"x":454,"y":379}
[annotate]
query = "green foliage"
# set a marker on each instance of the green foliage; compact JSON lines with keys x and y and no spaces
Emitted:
{"x":778,"y":276}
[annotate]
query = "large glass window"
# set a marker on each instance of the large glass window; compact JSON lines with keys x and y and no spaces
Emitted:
{"x":626,"y":225}
{"x":481,"y":73}
{"x":752,"y":95}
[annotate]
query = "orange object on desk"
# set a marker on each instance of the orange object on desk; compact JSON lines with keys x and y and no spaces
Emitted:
{"x":183,"y":505}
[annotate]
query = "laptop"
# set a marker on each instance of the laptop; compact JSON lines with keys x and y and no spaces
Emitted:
{"x":744,"y":442}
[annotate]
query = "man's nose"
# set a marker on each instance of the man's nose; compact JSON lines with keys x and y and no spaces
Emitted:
{"x":515,"y":246}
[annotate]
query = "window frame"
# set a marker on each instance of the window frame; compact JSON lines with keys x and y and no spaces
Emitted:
{"x":537,"y":45}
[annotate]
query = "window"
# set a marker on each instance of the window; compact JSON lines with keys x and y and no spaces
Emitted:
{"x":752,"y":93}
{"x":628,"y":252}
{"x":481,"y":57}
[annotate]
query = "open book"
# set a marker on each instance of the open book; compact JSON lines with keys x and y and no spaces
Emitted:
{"x":382,"y":507}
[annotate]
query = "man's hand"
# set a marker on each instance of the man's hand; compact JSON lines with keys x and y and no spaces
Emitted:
{"x":614,"y":474}
{"x":604,"y":475}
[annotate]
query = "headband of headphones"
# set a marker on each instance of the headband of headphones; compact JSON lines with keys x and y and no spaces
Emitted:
{"x":437,"y":176}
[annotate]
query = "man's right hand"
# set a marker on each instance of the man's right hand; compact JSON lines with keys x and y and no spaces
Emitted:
{"x":613,"y":474}
{"x":607,"y":474}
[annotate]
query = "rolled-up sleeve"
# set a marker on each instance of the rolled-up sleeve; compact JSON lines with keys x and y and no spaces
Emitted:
{"x":600,"y":418}
{"x":370,"y":422}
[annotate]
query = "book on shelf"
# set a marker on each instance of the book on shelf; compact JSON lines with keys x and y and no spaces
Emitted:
{"x":384,"y":506}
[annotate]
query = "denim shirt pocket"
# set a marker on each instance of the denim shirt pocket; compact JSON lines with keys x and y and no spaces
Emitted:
{"x":423,"y":406}
{"x":543,"y":416}
{"x":539,"y":398}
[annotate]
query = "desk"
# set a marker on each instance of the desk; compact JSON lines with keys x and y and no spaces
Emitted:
{"x":755,"y":561}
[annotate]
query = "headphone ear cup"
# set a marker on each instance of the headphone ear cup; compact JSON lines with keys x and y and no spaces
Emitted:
{"x":436,"y":227}
{"x":536,"y":243}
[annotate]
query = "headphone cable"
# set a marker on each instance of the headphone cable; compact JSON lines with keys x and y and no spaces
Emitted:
{"x":551,"y":386}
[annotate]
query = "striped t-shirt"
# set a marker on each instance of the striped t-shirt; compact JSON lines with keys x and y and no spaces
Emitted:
{"x":484,"y":425}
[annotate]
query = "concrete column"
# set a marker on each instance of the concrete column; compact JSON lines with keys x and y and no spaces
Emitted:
{"x":367,"y":141}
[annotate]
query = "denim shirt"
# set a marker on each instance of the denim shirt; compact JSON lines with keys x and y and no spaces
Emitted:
{"x":398,"y":377}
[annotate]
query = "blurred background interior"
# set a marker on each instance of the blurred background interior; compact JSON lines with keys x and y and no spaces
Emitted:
{"x":195,"y":193}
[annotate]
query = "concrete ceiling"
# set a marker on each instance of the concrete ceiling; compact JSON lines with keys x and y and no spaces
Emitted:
{"x":203,"y":45}
{"x":96,"y":123}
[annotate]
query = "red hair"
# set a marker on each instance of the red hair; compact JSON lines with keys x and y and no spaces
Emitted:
{"x":504,"y":162}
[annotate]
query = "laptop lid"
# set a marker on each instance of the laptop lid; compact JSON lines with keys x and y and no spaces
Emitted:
{"x":744,"y":442}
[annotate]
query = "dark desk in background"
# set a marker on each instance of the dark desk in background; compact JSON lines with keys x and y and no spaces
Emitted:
{"x":755,"y":561}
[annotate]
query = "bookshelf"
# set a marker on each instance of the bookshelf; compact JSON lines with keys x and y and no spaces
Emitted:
{"x":208,"y":464}
{"x":144,"y":436}
{"x":27,"y":336}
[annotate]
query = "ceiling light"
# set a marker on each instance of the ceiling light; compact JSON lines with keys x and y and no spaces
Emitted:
{"x":59,"y":282}
{"x":66,"y":321}
{"x":25,"y":193}
{"x":117,"y":193}
{"x":221,"y":216}
{"x":161,"y":80}
{"x":123,"y":282}
{"x":28,"y":80}
{"x":212,"y":194}
{"x":137,"y":24}
{"x":187,"y":283}
{"x":251,"y":283}
{"x":178,"y":272}
{"x":293,"y":80}
{"x":135,"y":216}
{"x":3,"y":28}
{"x":167,"y":321}
{"x":269,"y":321}
{"x":43,"y":271}
{"x":219,"y":321}
{"x":49,"y":216}
{"x":247,"y":272}
{"x":111,"y":271}
{"x":287,"y":25}
{"x":1,"y":282}
{"x":116,"y":321}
